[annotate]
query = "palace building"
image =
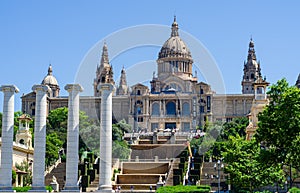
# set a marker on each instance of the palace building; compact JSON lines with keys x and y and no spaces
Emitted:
{"x":175,"y":99}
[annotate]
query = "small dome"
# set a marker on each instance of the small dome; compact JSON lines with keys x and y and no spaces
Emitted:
{"x":50,"y":79}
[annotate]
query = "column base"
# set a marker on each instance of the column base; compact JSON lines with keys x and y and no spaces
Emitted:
{"x":6,"y":189}
{"x":71,"y":189}
{"x":105,"y":189}
{"x":38,"y":189}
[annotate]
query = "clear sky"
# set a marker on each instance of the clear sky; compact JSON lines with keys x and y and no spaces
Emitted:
{"x":36,"y":33}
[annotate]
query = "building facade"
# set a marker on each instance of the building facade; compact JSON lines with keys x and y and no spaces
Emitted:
{"x":176,"y":98}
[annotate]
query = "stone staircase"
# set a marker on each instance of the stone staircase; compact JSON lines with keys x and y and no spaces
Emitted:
{"x":141,"y":175}
{"x":175,"y":165}
{"x":209,"y":177}
{"x":59,"y":172}
{"x":94,"y":184}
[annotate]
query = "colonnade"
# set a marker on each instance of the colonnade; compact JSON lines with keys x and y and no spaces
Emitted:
{"x":38,"y":179}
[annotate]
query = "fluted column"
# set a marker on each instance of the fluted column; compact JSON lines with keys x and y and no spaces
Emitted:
{"x":72,"y":138}
{"x":38,"y":179}
{"x":105,"y":138}
{"x":7,"y":137}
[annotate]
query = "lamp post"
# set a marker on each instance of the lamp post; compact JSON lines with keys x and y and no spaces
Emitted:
{"x":218,"y":166}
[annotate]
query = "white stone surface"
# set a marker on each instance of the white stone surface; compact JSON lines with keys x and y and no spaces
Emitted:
{"x":72,"y":138}
{"x":7,"y":137}
{"x":106,"y":138}
{"x":38,"y":180}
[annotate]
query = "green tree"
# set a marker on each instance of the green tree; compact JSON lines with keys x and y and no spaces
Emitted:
{"x":90,"y":139}
{"x":235,"y":127}
{"x":120,"y":149}
{"x":57,"y":122}
{"x":279,"y":125}
{"x":53,"y":145}
{"x":244,"y":164}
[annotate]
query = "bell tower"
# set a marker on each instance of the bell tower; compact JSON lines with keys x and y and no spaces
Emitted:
{"x":104,"y":72}
{"x":252,"y":71}
{"x":259,"y":102}
{"x":23,"y":135}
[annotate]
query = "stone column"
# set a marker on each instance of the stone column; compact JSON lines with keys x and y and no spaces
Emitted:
{"x":7,"y":137}
{"x":72,"y":138}
{"x":38,"y":179}
{"x":106,"y":138}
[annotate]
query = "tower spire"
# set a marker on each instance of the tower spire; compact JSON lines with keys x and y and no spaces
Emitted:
{"x":251,"y":50}
{"x":50,"y":70}
{"x":104,"y":57}
{"x":174,"y":28}
{"x":252,"y":70}
{"x":298,"y":81}
{"x":104,"y":73}
{"x":123,"y":88}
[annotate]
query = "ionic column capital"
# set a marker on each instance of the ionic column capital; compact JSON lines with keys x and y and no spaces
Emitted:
{"x":106,"y":86}
{"x":40,"y":87}
{"x":73,"y":87}
{"x":9,"y":88}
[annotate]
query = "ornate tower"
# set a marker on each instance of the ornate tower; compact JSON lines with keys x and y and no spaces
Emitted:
{"x":104,"y":73}
{"x":259,"y":102}
{"x":298,"y":82}
{"x":51,"y":81}
{"x":123,"y":88}
{"x":23,"y":135}
{"x":251,"y":71}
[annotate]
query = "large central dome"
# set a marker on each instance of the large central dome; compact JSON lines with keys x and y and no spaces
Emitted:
{"x":174,"y":47}
{"x":174,"y":57}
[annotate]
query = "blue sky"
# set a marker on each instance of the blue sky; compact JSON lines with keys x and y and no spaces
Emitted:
{"x":36,"y":33}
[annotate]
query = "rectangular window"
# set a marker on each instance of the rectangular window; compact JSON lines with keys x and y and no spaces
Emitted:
{"x":228,"y":119}
{"x":154,"y":126}
{"x":185,"y":127}
{"x":202,"y":109}
{"x":208,"y":103}
{"x":140,"y":119}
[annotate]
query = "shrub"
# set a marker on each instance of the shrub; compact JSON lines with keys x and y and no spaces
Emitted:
{"x":294,"y":190}
{"x":26,"y":188}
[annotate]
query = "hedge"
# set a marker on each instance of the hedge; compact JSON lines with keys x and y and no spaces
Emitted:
{"x":184,"y":189}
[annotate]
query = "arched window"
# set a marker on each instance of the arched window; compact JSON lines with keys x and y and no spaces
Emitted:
{"x":155,"y":109}
{"x":22,"y":141}
{"x":186,"y":109}
{"x":171,"y":108}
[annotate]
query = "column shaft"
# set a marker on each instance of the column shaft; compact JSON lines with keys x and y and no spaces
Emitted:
{"x":38,"y":179}
{"x":106,"y":138}
{"x":7,"y":138}
{"x":72,"y":138}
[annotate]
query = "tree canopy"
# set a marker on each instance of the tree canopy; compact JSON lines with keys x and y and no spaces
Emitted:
{"x":279,"y":126}
{"x":244,"y":164}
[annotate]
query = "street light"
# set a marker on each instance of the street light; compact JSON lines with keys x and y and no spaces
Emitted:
{"x":218,"y":166}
